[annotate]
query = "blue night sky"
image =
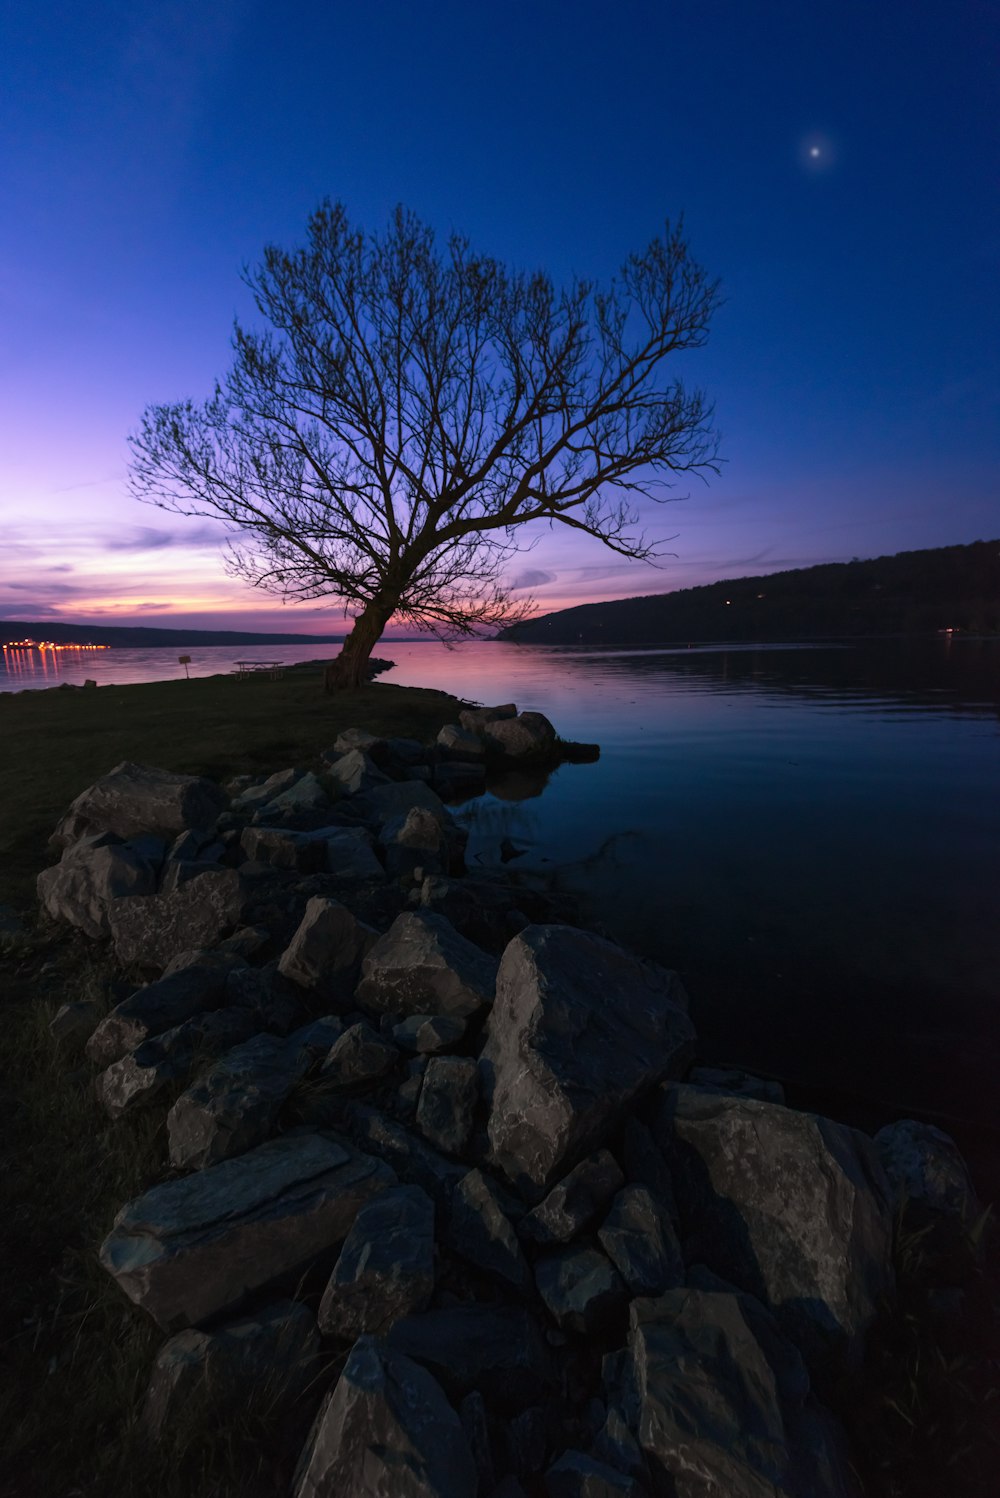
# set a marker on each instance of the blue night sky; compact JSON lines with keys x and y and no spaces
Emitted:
{"x":836,"y":165}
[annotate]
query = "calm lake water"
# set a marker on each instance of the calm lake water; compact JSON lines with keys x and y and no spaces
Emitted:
{"x":809,"y":834}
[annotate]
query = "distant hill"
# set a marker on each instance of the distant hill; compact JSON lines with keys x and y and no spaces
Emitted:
{"x":105,"y":634}
{"x":912,"y":593}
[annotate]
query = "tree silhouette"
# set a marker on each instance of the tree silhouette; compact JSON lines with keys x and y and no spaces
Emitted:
{"x":409,"y":410}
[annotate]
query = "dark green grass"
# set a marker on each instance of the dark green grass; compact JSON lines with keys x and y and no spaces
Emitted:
{"x":53,"y":744}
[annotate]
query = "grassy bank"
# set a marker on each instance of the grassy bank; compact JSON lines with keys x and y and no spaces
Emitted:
{"x":55,"y":743}
{"x":74,"y":1355}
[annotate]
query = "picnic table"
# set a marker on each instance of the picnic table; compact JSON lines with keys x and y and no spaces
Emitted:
{"x":258,"y":668}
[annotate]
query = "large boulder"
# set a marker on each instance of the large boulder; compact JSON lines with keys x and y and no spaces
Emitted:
{"x":385,"y":802}
{"x":355,"y":771}
{"x":134,"y":799}
{"x":529,"y":736}
{"x":91,"y":874}
{"x":714,"y":1414}
{"x":412,"y":1159}
{"x":200,"y":1377}
{"x":790,"y":1207}
{"x":326,"y":952}
{"x":191,"y":1248}
{"x":574,"y":1202}
{"x":386,"y":1266}
{"x":581,"y":1289}
{"x":422,"y":966}
{"x":150,"y":930}
{"x":579,"y":1031}
{"x":386,"y":1429}
{"x":639,"y":1239}
{"x":475,"y":719}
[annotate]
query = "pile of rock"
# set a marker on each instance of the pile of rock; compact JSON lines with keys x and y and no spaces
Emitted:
{"x":422,"y":1127}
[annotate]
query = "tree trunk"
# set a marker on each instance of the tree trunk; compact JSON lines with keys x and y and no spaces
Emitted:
{"x":350,"y":669}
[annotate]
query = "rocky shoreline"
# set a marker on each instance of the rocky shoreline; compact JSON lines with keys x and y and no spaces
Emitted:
{"x":448,"y":1178}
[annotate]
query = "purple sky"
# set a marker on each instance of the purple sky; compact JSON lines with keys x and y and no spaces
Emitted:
{"x":150,"y":152}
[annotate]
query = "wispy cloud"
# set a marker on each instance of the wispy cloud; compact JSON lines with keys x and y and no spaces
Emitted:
{"x":531,"y":577}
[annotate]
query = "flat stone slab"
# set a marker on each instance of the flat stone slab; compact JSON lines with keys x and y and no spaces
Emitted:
{"x":188,"y":1249}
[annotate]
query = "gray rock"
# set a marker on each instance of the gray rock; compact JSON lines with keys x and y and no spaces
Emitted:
{"x":386,"y":1266}
{"x":193,"y":844}
{"x":428,"y":1033}
{"x":709,"y":1411}
{"x":199,"y":1377}
{"x":354,"y":771}
{"x":480,"y":909}
{"x":788,"y":1206}
{"x":421,"y":965}
{"x":615,"y":1444}
{"x":407,"y":1094}
{"x":350,"y":855}
{"x":416,"y":840}
{"x":480,"y":1232}
{"x":574,"y":1202}
{"x":357,"y":738}
{"x":386,"y":1430}
{"x":496,"y":1349}
{"x":445,"y":1112}
{"x":255,"y":796}
{"x":396,"y":799}
{"x":579,"y":1031}
{"x":581,"y":1289}
{"x":192,"y":1248}
{"x":461,"y":743}
{"x":475,"y":719}
{"x":577,"y":1475}
{"x":280,"y":848}
{"x":234,"y":1105}
{"x":134,"y":799}
{"x":176,"y":874}
{"x":327,"y":950}
{"x":358,"y":1059}
{"x":529,"y":736}
{"x":312,"y":1042}
{"x":149,"y":930}
{"x":73,"y":1024}
{"x":160,"y":1006}
{"x":411,"y":1158}
{"x":135,"y":1080}
{"x":925,"y":1168}
{"x":306,"y":793}
{"x":640,"y":1241}
{"x":92,"y":873}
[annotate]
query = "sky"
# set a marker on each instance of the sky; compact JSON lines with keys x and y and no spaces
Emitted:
{"x":836,"y":165}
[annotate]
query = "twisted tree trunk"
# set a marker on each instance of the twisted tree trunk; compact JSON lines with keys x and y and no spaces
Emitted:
{"x":350,"y":669}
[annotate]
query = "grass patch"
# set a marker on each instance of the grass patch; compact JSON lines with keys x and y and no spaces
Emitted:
{"x":53,"y":744}
{"x":74,"y":1354}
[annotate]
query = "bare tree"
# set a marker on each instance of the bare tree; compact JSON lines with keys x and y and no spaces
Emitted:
{"x":410,"y":410}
